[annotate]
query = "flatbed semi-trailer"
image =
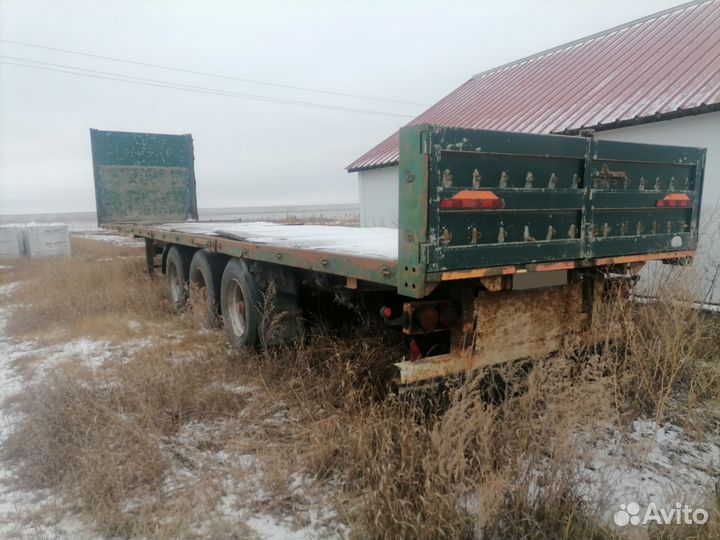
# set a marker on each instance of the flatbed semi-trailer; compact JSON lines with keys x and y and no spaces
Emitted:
{"x":504,"y":246}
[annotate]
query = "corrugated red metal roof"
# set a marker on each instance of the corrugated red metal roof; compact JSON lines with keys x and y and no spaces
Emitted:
{"x":654,"y":68}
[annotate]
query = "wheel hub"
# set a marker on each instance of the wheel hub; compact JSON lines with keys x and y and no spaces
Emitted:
{"x":237,"y":308}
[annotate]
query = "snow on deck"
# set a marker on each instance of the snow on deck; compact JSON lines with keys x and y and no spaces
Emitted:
{"x":374,"y":242}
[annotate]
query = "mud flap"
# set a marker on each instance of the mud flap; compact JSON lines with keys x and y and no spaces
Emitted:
{"x":510,"y":325}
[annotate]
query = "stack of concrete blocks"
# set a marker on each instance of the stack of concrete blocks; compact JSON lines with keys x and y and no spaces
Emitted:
{"x":12,"y":242}
{"x":46,"y":240}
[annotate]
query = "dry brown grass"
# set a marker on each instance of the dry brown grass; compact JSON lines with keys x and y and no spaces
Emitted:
{"x":461,"y":466}
{"x":100,"y":436}
{"x":348,"y":221}
{"x":409,"y":474}
{"x":662,"y":353}
{"x":95,"y":292}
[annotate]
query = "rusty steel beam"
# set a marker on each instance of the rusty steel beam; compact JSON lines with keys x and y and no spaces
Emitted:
{"x":508,"y":326}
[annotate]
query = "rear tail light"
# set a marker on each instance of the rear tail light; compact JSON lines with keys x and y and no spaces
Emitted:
{"x":472,"y":200}
{"x":415,"y":352}
{"x":448,"y":317}
{"x":428,"y":317}
{"x":674,"y":200}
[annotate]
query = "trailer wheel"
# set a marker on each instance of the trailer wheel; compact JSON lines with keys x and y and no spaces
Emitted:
{"x":177,"y":268}
{"x":206,"y":270}
{"x":239,"y":304}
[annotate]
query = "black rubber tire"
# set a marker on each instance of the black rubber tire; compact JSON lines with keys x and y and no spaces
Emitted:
{"x":239,"y":303}
{"x":177,"y":268}
{"x":206,"y":270}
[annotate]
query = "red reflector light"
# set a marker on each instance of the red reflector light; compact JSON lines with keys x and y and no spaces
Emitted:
{"x":470,"y":204}
{"x":415,"y":352}
{"x":472,"y":200}
{"x":386,"y":312}
{"x":674,"y":200}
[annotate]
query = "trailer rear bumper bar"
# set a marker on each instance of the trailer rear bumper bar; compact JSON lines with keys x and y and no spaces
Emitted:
{"x":563,"y":265}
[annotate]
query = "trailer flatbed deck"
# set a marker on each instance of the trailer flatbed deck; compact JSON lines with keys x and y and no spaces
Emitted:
{"x":368,"y":254}
{"x":371,"y":242}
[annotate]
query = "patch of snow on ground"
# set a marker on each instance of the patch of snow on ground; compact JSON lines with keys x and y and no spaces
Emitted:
{"x":269,"y":528}
{"x":35,"y":513}
{"x":652,"y":464}
{"x":243,"y":502}
{"x":241,"y":474}
{"x":8,"y":288}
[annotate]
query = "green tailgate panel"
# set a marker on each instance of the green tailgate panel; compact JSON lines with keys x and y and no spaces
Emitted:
{"x":143,"y":177}
{"x":560,"y":199}
{"x":626,"y":182}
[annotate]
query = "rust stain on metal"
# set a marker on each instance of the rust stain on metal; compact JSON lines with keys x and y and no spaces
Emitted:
{"x":549,"y":319}
{"x":476,"y":273}
{"x":549,"y":267}
{"x":561,"y":265}
{"x":494,"y":283}
{"x":529,"y":180}
{"x":503,"y":180}
{"x":646,"y":257}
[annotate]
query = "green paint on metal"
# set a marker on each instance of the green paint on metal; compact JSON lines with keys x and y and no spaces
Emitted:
{"x":563,"y":199}
{"x":142,"y":177}
{"x":413,"y":223}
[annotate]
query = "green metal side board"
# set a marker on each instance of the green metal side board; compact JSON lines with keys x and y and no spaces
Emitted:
{"x":143,"y":177}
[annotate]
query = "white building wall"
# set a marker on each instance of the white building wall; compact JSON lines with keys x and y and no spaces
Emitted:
{"x":379,"y":197}
{"x":701,"y":130}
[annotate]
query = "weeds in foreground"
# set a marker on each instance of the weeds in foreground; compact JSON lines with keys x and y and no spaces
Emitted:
{"x":108,"y":438}
{"x":661,"y":352}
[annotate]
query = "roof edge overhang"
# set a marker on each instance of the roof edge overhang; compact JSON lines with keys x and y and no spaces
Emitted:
{"x":640,"y":120}
{"x":371,"y":167}
{"x":680,"y":113}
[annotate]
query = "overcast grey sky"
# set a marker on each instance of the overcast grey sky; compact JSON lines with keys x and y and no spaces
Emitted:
{"x":251,"y":152}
